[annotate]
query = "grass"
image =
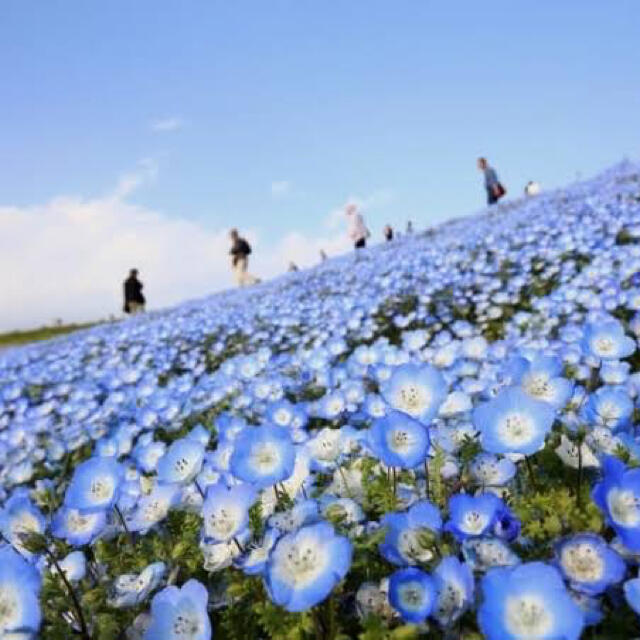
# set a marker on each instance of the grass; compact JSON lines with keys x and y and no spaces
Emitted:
{"x":13,"y":338}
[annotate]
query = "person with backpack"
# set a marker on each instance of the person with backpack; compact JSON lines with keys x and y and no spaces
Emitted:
{"x":240,"y":252}
{"x":133,"y":299}
{"x":358,"y":231}
{"x":492,"y":184}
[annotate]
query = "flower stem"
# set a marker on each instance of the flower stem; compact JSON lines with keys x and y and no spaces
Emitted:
{"x":344,"y":480}
{"x":237,"y":543}
{"x":124,"y":524}
{"x":84,"y":631}
{"x":426,"y":479}
{"x":579,"y":488}
{"x":199,"y":488}
{"x":532,"y":475}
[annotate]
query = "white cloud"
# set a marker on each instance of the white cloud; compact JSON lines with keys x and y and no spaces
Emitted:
{"x":280,"y":188}
{"x":67,"y":258}
{"x":167,"y":124}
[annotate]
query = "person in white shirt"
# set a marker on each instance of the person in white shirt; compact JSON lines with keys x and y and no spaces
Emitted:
{"x":357,"y":229}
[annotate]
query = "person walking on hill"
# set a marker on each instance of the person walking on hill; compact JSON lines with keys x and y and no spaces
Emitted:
{"x":492,"y":184}
{"x":240,"y":252}
{"x":133,"y":299}
{"x":358,"y":231}
{"x":388,"y":233}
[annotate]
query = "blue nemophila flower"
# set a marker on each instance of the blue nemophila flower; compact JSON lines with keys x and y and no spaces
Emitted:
{"x":609,"y":407}
{"x":513,"y":422}
{"x":74,"y":566}
{"x":182,"y":462}
{"x":490,"y":471}
{"x":148,"y":454}
{"x":632,"y":594}
{"x":263,"y":455}
{"x":129,"y":590}
{"x":487,"y":552}
{"x":607,"y":340}
{"x":410,"y":535}
{"x":412,"y":593}
{"x":76,"y":527}
{"x":305,"y":566}
{"x":302,"y":513}
{"x":95,"y":485}
{"x":153,"y":507}
{"x":542,"y":379}
{"x":454,"y":590}
{"x":255,"y":560}
{"x":417,"y":390}
{"x":588,"y":563}
{"x":528,"y":601}
{"x":19,"y":596}
{"x":399,"y":440}
{"x":472,"y":516}
{"x":225,"y":511}
{"x":18,"y":519}
{"x":618,"y":497}
{"x":180,"y":613}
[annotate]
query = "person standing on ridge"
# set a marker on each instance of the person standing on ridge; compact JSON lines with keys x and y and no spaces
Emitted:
{"x":133,"y":299}
{"x":493,"y":186}
{"x":409,"y":227}
{"x":358,"y":231}
{"x":388,"y":233}
{"x":240,"y":252}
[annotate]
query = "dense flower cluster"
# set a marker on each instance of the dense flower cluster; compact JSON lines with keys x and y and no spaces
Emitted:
{"x":438,"y":436}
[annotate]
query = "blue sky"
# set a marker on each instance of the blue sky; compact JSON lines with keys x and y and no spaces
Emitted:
{"x":390,"y":102}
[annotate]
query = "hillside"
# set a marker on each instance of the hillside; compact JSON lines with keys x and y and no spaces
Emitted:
{"x":436,"y":434}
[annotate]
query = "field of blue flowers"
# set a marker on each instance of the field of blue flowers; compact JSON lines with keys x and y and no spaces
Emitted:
{"x":438,"y":439}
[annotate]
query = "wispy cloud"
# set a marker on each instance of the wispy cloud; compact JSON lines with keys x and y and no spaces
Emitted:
{"x":146,"y":171}
{"x":280,"y":188}
{"x":162,"y":125}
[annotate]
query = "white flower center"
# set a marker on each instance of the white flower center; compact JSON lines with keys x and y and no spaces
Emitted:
{"x":603,"y":346}
{"x":527,"y":617}
{"x":223,"y":522}
{"x":282,"y":417}
{"x":609,"y":412}
{"x":154,"y":510}
{"x":412,"y":399}
{"x":450,"y":601}
{"x":302,"y":563}
{"x":538,"y":386}
{"x":411,"y":548}
{"x":23,"y":523}
{"x":10,"y":610}
{"x":102,"y":488}
{"x":474,"y":522}
{"x":266,"y":457}
{"x":582,"y":562}
{"x":411,"y":594}
{"x":400,"y":441}
{"x":516,"y":429}
{"x":623,"y":506}
{"x":183,"y":467}
{"x":186,"y":625}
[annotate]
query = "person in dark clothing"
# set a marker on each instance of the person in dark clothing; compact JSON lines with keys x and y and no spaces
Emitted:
{"x":240,"y":252}
{"x":388,"y":233}
{"x":133,"y":299}
{"x":492,"y":185}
